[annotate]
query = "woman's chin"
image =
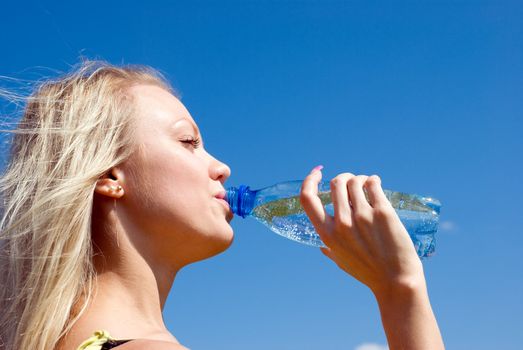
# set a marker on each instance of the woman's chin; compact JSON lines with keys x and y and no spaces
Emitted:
{"x":224,"y":241}
{"x":218,"y":242}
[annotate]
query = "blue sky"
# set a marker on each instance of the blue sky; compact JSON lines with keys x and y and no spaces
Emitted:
{"x":426,"y":94}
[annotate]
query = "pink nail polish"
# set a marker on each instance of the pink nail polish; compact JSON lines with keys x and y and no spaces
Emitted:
{"x":319,"y":167}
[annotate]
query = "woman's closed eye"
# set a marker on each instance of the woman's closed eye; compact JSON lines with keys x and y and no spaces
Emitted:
{"x":193,"y":141}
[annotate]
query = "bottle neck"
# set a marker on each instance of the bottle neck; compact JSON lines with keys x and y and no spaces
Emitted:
{"x":241,"y":200}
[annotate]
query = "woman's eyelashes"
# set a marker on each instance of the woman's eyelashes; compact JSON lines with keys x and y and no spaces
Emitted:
{"x":193,"y":141}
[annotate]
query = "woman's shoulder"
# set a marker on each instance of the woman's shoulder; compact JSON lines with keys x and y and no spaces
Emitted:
{"x":141,"y":344}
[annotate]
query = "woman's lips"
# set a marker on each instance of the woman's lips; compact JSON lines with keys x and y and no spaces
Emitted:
{"x":224,"y":202}
{"x":226,"y":206}
{"x":221,"y":195}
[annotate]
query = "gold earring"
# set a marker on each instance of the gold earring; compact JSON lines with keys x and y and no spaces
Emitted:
{"x":119,"y":188}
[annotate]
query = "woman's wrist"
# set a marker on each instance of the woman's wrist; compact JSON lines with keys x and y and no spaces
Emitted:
{"x":401,"y":289}
{"x":401,"y":285}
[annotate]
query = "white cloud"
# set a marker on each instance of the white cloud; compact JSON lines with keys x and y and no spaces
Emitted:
{"x":447,"y":226}
{"x":371,"y":346}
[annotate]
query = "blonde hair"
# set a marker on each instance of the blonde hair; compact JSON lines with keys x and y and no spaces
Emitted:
{"x":73,"y":130}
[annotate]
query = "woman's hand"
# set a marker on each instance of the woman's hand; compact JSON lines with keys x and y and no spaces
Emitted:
{"x":364,"y":238}
{"x":367,"y":240}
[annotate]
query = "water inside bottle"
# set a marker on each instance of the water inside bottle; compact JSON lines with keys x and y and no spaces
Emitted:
{"x":286,"y":217}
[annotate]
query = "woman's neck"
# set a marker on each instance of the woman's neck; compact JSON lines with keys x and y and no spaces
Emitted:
{"x":131,"y":287}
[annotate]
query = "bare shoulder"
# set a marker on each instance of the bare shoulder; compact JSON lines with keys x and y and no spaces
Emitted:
{"x":142,"y":344}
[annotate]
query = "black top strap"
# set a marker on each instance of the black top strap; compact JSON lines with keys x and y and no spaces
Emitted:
{"x":109,"y":344}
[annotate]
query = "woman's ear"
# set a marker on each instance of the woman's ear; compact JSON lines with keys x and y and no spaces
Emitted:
{"x":110,"y":184}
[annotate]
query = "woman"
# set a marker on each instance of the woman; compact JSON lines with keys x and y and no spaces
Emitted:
{"x":109,"y":192}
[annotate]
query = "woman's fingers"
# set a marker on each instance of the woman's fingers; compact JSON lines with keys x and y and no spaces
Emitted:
{"x":340,"y":200}
{"x":356,"y":195}
{"x":376,"y":195}
{"x":310,"y":201}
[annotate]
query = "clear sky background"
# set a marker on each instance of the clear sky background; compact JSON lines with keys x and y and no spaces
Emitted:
{"x":426,"y":94}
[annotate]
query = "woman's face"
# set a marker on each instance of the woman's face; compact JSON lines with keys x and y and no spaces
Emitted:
{"x":172,"y":185}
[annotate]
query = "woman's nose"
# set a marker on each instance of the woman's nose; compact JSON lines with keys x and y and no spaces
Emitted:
{"x":219,"y":170}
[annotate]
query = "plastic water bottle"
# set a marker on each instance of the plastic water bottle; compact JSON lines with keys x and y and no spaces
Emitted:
{"x":279,"y":208}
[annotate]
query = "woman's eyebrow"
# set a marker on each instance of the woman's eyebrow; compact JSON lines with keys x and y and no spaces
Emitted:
{"x":195,"y":128}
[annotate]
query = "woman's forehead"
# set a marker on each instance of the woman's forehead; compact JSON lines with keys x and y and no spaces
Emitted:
{"x":159,"y":107}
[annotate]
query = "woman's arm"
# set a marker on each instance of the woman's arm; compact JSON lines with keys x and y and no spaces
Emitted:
{"x":367,"y":240}
{"x":408,"y":319}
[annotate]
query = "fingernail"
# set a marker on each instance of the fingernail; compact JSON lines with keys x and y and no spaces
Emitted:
{"x":318,"y":168}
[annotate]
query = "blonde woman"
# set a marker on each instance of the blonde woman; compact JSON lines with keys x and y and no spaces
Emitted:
{"x":109,"y":192}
